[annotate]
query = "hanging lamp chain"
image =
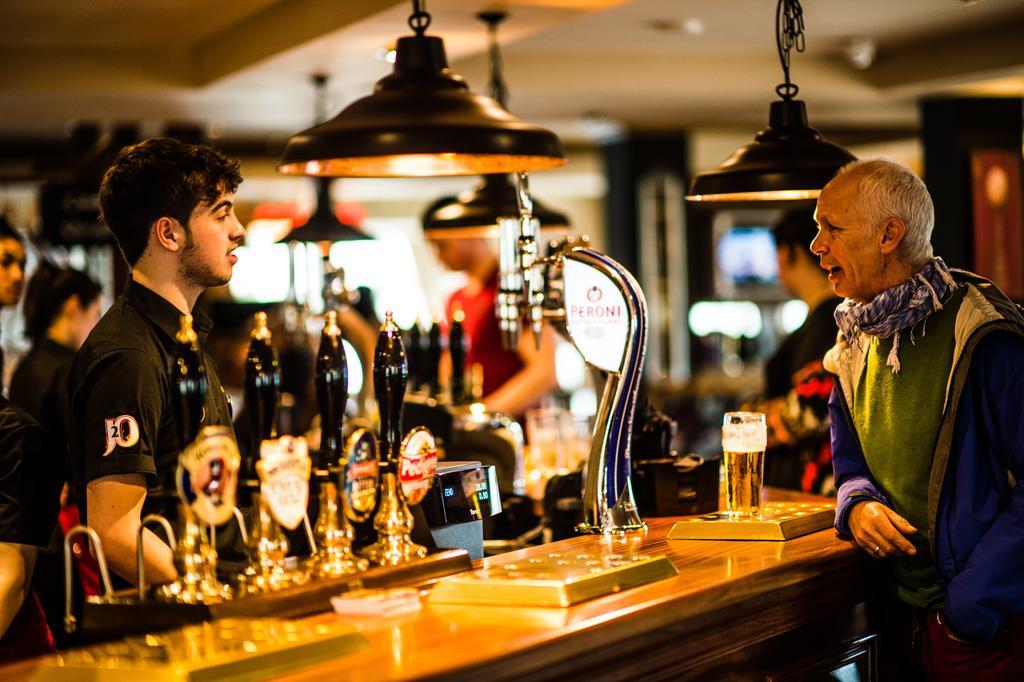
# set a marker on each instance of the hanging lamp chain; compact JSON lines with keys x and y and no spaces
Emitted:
{"x":497,"y":88}
{"x":789,"y":35}
{"x":419,"y":20}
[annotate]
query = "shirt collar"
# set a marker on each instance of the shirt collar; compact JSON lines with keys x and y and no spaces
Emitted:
{"x":48,"y":345}
{"x":163,"y":313}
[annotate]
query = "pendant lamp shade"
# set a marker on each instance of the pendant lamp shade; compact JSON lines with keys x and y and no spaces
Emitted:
{"x":323,"y":225}
{"x":476,"y":212}
{"x":421,"y":121}
{"x":788,"y":160}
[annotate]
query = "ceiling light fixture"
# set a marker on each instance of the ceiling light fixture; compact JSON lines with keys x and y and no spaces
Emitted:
{"x":788,"y":160}
{"x":476,"y":212}
{"x":693,"y":26}
{"x":421,"y":121}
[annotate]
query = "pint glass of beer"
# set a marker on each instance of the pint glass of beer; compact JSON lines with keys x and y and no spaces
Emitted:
{"x":744,"y":439}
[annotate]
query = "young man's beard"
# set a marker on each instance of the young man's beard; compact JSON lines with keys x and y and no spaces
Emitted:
{"x":193,"y":270}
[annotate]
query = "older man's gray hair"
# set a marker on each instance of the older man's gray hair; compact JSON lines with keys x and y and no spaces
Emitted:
{"x":891,"y":190}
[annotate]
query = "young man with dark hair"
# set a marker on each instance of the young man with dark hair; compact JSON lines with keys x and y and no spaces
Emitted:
{"x":170,"y":206}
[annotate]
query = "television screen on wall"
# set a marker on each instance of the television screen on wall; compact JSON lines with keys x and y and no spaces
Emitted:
{"x":745,"y":256}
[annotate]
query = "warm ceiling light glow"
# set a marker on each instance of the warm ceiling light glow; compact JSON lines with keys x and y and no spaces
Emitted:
{"x":776,"y":195}
{"x":693,"y":26}
{"x":385,"y":54}
{"x":419,"y":165}
{"x":491,"y":231}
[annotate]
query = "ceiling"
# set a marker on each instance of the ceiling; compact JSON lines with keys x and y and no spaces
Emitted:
{"x":243,"y":67}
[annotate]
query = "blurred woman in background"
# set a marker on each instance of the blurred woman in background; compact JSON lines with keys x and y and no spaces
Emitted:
{"x":61,"y":308}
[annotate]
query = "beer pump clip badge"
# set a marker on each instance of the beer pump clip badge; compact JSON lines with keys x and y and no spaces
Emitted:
{"x":596,"y":315}
{"x":207,"y":475}
{"x":417,"y":464}
{"x":284,"y":468}
{"x":360,"y":476}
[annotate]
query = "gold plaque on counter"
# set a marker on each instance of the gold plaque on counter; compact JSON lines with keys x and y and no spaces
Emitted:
{"x":777,"y":521}
{"x":234,"y":649}
{"x":558,"y":579}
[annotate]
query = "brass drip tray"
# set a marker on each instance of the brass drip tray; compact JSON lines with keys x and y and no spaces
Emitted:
{"x":559,"y":580}
{"x":778,"y":521}
{"x":227,"y":649}
{"x":124,"y":614}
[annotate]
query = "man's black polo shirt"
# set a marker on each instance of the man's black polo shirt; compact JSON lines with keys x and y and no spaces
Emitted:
{"x":121,"y":415}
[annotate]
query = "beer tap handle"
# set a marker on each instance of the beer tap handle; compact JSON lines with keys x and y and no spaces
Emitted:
{"x":141,"y":564}
{"x":390,"y":373}
{"x":189,"y":381}
{"x":435,"y":348}
{"x":70,"y":623}
{"x":506,"y":303}
{"x":310,"y":538}
{"x":529,"y":259}
{"x":332,"y":391}
{"x":414,"y":353}
{"x":242,"y":529}
{"x":262,"y":392}
{"x":457,"y":350}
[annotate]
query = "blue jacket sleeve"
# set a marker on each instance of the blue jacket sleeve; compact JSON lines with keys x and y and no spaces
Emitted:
{"x":853,"y":480}
{"x":989,"y":587}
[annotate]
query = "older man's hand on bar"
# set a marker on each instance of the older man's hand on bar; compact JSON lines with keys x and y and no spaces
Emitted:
{"x":880,"y":531}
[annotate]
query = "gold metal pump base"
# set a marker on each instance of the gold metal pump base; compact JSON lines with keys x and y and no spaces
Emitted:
{"x":197,"y":565}
{"x":393,"y":524}
{"x":334,"y":534}
{"x":268,"y":548}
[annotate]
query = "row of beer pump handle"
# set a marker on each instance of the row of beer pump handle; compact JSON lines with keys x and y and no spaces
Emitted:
{"x":425,"y":350}
{"x":354,"y":476}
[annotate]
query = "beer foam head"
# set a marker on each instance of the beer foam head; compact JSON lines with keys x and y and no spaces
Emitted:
{"x":744,"y":432}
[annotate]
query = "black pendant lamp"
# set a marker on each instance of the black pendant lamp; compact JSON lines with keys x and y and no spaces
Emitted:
{"x":421,"y":121}
{"x":476,"y":212}
{"x":323,"y":225}
{"x":789,"y":160}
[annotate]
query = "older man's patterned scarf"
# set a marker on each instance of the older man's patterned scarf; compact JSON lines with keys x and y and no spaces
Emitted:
{"x":898,"y":309}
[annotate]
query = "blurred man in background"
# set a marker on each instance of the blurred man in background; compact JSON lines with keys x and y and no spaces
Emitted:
{"x":797,"y":386}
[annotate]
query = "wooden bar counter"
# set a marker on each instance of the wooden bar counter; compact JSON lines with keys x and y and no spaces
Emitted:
{"x":739,"y":610}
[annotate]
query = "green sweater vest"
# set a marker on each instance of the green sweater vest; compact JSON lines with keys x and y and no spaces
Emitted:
{"x":897,"y":419}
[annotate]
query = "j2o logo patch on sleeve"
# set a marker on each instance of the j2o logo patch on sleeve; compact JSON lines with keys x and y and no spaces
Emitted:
{"x":123,"y":431}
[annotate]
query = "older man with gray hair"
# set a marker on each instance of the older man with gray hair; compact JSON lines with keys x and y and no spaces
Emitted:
{"x":927,"y":427}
